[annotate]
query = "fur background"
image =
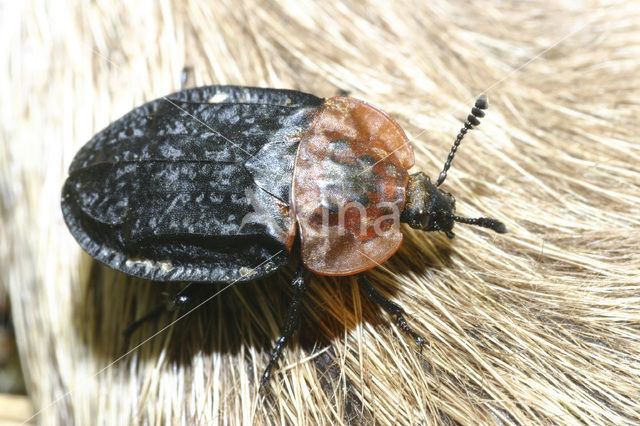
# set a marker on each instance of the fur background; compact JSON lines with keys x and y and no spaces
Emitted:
{"x":541,"y":325}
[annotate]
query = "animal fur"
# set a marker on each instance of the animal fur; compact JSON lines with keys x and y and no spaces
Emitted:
{"x":541,"y":325}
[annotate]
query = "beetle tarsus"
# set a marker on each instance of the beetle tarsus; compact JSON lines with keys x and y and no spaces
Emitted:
{"x":392,"y":309}
{"x":402,"y":323}
{"x":299,"y":285}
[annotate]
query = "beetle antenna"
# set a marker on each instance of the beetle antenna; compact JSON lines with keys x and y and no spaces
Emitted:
{"x":473,"y":119}
{"x":485,"y":222}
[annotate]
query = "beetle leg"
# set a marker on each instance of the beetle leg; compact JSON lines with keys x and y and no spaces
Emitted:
{"x":133,"y":326}
{"x":393,"y":309}
{"x":183,"y":300}
{"x":299,"y":285}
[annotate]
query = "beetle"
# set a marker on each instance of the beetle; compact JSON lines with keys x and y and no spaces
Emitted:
{"x":214,"y":184}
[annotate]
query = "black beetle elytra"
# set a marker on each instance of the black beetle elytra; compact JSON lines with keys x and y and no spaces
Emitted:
{"x":212,"y":184}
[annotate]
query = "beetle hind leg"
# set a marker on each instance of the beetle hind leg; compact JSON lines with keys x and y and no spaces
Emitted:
{"x":133,"y":326}
{"x":299,"y":285}
{"x":186,"y":298}
{"x":392,"y":309}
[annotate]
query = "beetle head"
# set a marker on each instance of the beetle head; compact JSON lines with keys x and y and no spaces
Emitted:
{"x":429,"y":208}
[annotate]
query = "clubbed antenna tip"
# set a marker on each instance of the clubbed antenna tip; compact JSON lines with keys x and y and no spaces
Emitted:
{"x":473,"y":119}
{"x":482,"y":102}
{"x":485,"y":222}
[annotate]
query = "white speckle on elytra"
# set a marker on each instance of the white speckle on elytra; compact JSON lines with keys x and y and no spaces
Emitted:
{"x":218,"y":97}
{"x":145,"y":263}
{"x":244,"y":271}
{"x":165,"y":265}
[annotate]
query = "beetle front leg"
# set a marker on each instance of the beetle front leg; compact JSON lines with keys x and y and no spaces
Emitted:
{"x":393,"y":309}
{"x":299,"y":285}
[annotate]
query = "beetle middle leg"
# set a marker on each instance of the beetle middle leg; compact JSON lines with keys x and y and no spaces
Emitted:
{"x":299,"y":285}
{"x":185,"y":299}
{"x":393,"y":309}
